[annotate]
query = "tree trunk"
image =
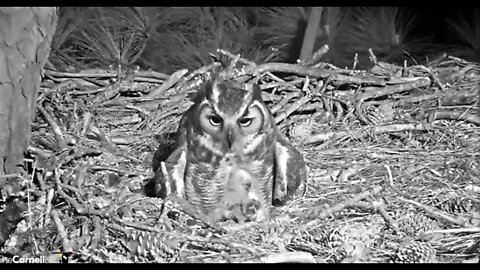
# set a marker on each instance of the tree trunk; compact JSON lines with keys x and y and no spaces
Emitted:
{"x":25,"y":37}
{"x":311,"y":33}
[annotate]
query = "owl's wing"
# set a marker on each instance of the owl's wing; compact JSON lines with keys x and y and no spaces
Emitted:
{"x":177,"y":162}
{"x":163,"y":185}
{"x":175,"y":166}
{"x":291,"y":170}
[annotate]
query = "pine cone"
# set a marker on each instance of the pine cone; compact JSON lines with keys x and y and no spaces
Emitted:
{"x":414,"y":252}
{"x":416,"y":223}
{"x":300,"y":131}
{"x":152,"y":245}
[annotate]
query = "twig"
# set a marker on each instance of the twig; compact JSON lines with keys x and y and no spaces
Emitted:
{"x":369,"y":130}
{"x":77,"y":153}
{"x":55,"y":127}
{"x":101,"y":137}
{"x":236,"y":57}
{"x":13,"y":175}
{"x":338,"y":110}
{"x":80,"y":173}
{"x":284,"y":257}
{"x":286,"y":98}
{"x":391,"y":184}
{"x":295,"y":106}
{"x":375,"y":92}
{"x":39,"y":152}
{"x":356,"y":80}
{"x":67,"y":247}
{"x":79,"y":208}
{"x":355,"y":61}
{"x":48,"y":208}
{"x":88,"y":92}
{"x":93,"y":81}
{"x":456,"y":115}
{"x":359,"y":112}
{"x":174,"y":78}
{"x":152,"y":74}
{"x":48,"y":92}
{"x":435,"y":213}
{"x":381,"y":210}
{"x":434,"y":77}
{"x":373,"y":58}
{"x":459,"y":230}
{"x":80,"y":75}
{"x":312,"y":106}
{"x":290,"y":68}
{"x":97,"y":232}
{"x":149,"y":74}
{"x":117,"y":170}
{"x":148,"y":80}
{"x":109,"y":93}
{"x":437,"y":60}
{"x":87,"y":120}
{"x":271,"y":75}
{"x":201,"y":70}
{"x":29,"y":206}
{"x":317,"y":214}
{"x":283,"y":84}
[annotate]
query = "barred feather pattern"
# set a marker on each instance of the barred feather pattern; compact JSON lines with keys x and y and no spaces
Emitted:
{"x":205,"y":181}
{"x":228,"y":152}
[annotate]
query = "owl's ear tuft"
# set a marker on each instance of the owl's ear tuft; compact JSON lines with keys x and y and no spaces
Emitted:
{"x":256,"y":91}
{"x":205,"y":90}
{"x":215,"y":89}
{"x":208,"y":88}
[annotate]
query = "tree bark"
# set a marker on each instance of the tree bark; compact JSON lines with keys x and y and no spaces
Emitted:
{"x":311,"y":33}
{"x":25,"y":37}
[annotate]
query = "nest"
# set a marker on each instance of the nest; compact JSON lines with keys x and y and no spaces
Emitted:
{"x":392,"y":155}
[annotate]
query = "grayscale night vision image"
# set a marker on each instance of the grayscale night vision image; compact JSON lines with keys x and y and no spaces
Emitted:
{"x":239,"y":135}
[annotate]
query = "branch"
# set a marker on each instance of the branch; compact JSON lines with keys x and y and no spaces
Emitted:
{"x":311,"y":33}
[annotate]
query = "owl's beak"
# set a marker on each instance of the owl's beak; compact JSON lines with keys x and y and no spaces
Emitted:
{"x":230,"y":137}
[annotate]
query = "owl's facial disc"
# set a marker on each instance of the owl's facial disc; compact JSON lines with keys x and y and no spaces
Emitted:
{"x":242,"y":126}
{"x":232,"y":113}
{"x":229,"y":127}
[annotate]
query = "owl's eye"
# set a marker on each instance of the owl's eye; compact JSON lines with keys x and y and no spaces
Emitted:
{"x":215,"y":120}
{"x":245,"y":122}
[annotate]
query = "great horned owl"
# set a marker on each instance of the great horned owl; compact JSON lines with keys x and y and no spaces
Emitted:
{"x":230,"y":159}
